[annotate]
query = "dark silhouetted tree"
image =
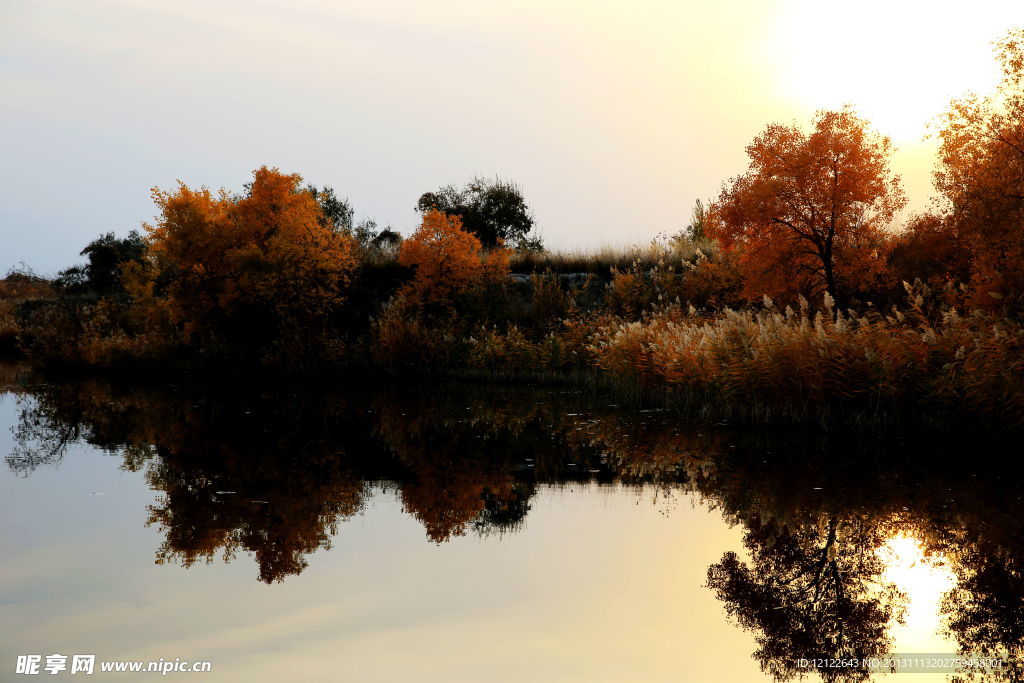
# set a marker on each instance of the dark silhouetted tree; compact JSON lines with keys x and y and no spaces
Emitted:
{"x":492,"y":210}
{"x":106,"y":255}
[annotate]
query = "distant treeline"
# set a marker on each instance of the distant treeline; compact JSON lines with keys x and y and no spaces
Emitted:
{"x":794,"y":296}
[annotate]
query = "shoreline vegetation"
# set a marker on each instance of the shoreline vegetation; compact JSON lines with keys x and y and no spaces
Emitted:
{"x":796,"y":297}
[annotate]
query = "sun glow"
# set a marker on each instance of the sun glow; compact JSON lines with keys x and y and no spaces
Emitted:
{"x":924,"y":580}
{"x":898,"y":63}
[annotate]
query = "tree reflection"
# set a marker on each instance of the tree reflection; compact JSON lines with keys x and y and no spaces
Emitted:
{"x":458,"y":470}
{"x":505,"y":513}
{"x":809,"y":592}
{"x":984,"y":541}
{"x":815,"y":512}
{"x":985,"y":611}
{"x":249,"y":501}
{"x":275,"y":476}
{"x":274,"y":473}
{"x":40,"y":437}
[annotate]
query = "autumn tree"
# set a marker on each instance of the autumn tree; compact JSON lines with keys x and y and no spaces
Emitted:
{"x":245,"y":269}
{"x":810,"y":213}
{"x":23,"y":283}
{"x":981,"y":176}
{"x":448,"y":261}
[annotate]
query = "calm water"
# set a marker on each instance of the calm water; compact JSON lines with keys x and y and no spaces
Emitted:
{"x":468,"y":534}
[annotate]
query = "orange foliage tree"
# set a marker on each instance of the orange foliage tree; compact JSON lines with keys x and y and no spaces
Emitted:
{"x":254,"y":265}
{"x":809,"y":215}
{"x":449,"y":261}
{"x":982,"y":177}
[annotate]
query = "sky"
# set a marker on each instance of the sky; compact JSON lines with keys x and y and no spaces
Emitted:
{"x":613,"y":117}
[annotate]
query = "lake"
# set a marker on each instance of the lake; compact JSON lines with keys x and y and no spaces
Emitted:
{"x":475,"y":533}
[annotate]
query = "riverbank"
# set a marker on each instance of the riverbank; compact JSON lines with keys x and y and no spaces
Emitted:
{"x":823,"y":370}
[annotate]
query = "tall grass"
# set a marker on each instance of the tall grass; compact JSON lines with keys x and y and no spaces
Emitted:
{"x":603,"y":260}
{"x":827,"y":367}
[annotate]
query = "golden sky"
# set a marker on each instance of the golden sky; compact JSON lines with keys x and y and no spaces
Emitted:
{"x":613,"y":116}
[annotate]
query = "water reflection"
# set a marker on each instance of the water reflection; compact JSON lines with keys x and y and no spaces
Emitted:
{"x":842,"y":538}
{"x":277,"y":475}
{"x":924,"y":578}
{"x":811,"y":587}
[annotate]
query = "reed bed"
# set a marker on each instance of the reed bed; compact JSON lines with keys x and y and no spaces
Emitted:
{"x":829,"y":367}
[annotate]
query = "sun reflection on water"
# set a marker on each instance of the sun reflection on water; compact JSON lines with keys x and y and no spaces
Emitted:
{"x":923,"y":579}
